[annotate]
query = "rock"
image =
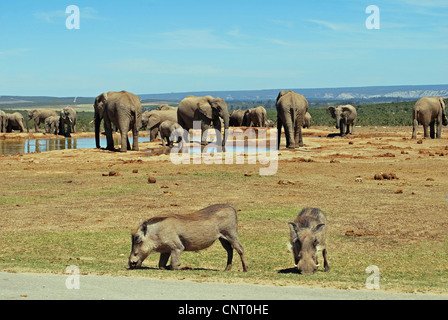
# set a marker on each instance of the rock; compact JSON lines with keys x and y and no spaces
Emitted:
{"x":152,"y":180}
{"x":135,"y":171}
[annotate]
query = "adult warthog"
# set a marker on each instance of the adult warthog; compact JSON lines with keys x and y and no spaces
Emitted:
{"x":308,"y":236}
{"x":170,"y":235}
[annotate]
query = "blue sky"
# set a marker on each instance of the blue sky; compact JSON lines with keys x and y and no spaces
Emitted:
{"x":146,"y":46}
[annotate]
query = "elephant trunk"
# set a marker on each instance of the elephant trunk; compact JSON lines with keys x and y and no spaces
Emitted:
{"x":226,"y":118}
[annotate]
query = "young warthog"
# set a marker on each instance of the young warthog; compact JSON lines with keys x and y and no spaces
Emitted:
{"x":170,"y":235}
{"x":309,"y":235}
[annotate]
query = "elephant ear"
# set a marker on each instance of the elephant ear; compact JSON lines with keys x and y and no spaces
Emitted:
{"x":346,"y":111}
{"x":281,"y":94}
{"x":331,"y":111}
{"x":153,"y":120}
{"x":206,"y":110}
{"x":100,"y":103}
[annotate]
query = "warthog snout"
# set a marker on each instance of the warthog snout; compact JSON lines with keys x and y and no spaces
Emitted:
{"x":306,"y":266}
{"x":134,"y":263}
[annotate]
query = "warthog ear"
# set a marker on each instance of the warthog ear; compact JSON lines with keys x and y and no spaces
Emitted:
{"x":318,"y":228}
{"x":293,"y":230}
{"x":144,"y":228}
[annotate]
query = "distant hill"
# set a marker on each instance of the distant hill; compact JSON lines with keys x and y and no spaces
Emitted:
{"x":360,"y":94}
{"x":353,"y":95}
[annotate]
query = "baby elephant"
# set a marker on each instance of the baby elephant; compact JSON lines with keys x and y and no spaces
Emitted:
{"x":52,"y":124}
{"x":170,"y":235}
{"x":166,"y":128}
{"x":308,"y":236}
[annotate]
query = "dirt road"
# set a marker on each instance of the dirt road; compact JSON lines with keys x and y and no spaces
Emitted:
{"x":53,"y":287}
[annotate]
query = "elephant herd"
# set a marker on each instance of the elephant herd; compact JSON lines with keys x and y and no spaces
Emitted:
{"x":124,"y":110}
{"x":62,"y":124}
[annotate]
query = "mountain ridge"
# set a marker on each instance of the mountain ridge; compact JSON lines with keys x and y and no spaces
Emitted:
{"x":353,"y":94}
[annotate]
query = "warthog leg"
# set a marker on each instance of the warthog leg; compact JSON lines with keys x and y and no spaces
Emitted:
{"x":175,"y":258}
{"x":326,"y":265}
{"x":226,"y":244}
{"x":164,"y":260}
{"x":235,"y":244}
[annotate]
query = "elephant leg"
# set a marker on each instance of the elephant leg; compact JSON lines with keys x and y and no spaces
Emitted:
{"x":109,"y":137}
{"x":426,"y":131}
{"x":298,"y":134}
{"x":204,"y":128}
{"x":414,"y":130}
{"x":432,"y":130}
{"x":439,"y":129}
{"x":135,"y":129}
{"x":289,"y":130}
{"x":279,"y":132}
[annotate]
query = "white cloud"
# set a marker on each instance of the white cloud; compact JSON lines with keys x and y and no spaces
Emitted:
{"x":330,"y":25}
{"x":87,"y":13}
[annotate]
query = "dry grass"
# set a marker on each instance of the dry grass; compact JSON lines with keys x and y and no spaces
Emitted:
{"x":58,"y":209}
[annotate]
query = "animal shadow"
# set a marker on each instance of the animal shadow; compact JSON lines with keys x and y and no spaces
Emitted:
{"x":289,"y":270}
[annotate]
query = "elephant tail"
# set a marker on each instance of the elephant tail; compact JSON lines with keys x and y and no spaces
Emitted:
{"x":415,"y":116}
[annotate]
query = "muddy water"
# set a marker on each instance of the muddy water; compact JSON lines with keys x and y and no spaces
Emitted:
{"x":10,"y":147}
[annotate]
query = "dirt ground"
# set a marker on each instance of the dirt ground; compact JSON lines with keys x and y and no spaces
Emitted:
{"x":377,"y":183}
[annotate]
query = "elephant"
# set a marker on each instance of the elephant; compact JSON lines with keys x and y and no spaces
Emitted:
{"x":345,"y":118}
{"x":307,"y":122}
{"x":68,"y":120}
{"x":52,"y":125}
{"x":255,"y":117}
{"x":3,"y":121}
{"x":427,"y":111}
{"x":15,"y":122}
{"x":153,"y":119}
{"x":124,"y":110}
{"x":236,"y":118}
{"x":270,"y":123}
{"x":291,"y":110}
{"x":166,"y":107}
{"x":39,"y":116}
{"x":207,"y":110}
{"x":166,"y":128}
